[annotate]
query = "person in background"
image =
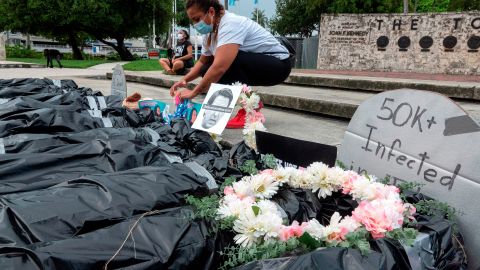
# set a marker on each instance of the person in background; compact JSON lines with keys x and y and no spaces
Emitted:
{"x":183,"y":56}
{"x":235,"y":49}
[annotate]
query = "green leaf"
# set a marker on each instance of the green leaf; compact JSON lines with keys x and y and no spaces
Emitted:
{"x":255,"y":209}
{"x":309,"y":241}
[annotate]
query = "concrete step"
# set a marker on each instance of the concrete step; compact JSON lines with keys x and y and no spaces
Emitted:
{"x":453,"y":89}
{"x":320,"y":100}
{"x":22,"y":65}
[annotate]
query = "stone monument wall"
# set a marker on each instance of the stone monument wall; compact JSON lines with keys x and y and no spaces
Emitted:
{"x":446,"y":43}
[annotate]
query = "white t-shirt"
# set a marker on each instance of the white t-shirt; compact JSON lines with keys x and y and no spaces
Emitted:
{"x":251,"y":37}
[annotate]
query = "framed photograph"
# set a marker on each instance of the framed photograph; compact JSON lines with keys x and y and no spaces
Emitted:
{"x":217,"y":108}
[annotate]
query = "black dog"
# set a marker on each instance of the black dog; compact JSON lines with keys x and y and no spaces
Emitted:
{"x":51,"y":54}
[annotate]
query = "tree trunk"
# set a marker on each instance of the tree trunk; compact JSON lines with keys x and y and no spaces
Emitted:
{"x":72,"y":41}
{"x":28,"y":41}
{"x":124,"y":53}
{"x":405,"y":6}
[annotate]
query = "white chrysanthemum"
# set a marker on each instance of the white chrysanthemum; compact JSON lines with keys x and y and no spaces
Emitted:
{"x":233,"y":206}
{"x":326,"y":181}
{"x":243,"y":188}
{"x":245,"y":226}
{"x":267,"y":206}
{"x":363,"y":188}
{"x":249,"y":133}
{"x":315,"y":229}
{"x":263,"y":186}
{"x":252,"y":102}
{"x":284,"y":175}
{"x":336,"y":176}
{"x":318,"y":169}
{"x":349,"y":224}
{"x":301,"y":179}
{"x":252,"y":229}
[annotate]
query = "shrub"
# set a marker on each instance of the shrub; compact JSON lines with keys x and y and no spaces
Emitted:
{"x":20,"y":51}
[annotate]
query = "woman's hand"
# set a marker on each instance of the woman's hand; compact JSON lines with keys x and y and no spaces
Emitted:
{"x":174,"y":88}
{"x":187,"y":94}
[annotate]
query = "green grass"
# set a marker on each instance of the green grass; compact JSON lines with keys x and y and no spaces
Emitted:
{"x":65,"y":63}
{"x":143,"y":65}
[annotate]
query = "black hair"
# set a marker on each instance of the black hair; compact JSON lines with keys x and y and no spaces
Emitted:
{"x":205,"y":5}
{"x":185,"y":32}
{"x":225,"y":92}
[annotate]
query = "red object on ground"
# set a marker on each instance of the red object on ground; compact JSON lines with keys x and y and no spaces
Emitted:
{"x":134,"y":98}
{"x":238,"y":121}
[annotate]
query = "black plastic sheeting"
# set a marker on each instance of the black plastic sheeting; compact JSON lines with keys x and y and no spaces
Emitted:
{"x":24,"y":171}
{"x":91,"y":202}
{"x":167,"y":240}
{"x":77,"y":171}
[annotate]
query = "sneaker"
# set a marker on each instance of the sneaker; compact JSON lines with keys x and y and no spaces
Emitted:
{"x":238,"y":121}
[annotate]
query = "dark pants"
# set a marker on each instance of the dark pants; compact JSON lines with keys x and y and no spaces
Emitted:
{"x":255,"y":69}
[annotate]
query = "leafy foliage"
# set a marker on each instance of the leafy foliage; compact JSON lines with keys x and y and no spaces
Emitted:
{"x":260,"y":17}
{"x":405,"y":236}
{"x":293,"y":18}
{"x":249,"y":167}
{"x":269,"y":161}
{"x":237,"y":255}
{"x":205,"y":207}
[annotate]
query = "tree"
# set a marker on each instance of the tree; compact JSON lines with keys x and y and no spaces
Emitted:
{"x":293,"y":18}
{"x":101,"y":19}
{"x":50,"y":18}
{"x":181,"y":15}
{"x":122,"y":19}
{"x":260,"y":17}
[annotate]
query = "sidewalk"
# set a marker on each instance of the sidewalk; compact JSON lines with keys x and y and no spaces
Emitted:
{"x":396,"y":75}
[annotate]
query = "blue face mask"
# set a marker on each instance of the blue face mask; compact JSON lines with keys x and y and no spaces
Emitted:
{"x":202,"y":27}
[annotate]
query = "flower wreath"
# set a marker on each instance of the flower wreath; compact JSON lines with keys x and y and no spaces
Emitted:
{"x":250,"y":101}
{"x":258,"y":220}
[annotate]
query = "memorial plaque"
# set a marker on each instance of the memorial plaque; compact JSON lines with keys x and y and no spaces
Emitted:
{"x":474,"y":42}
{"x":404,"y":42}
{"x":383,"y":41}
{"x":423,"y":137}
{"x":119,"y":84}
{"x":450,"y":42}
{"x":426,"y":42}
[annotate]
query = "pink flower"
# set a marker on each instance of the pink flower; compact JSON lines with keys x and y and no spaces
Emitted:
{"x":255,"y":116}
{"x":246,"y":89}
{"x":228,"y":190}
{"x":267,"y":172}
{"x":294,"y":230}
{"x":347,"y":185}
{"x":379,"y":216}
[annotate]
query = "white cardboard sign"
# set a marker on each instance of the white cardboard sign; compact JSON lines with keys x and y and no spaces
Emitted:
{"x":119,"y":83}
{"x":217,"y":108}
{"x":424,"y":137}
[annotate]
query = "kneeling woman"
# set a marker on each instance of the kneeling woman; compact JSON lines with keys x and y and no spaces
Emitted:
{"x":235,"y":49}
